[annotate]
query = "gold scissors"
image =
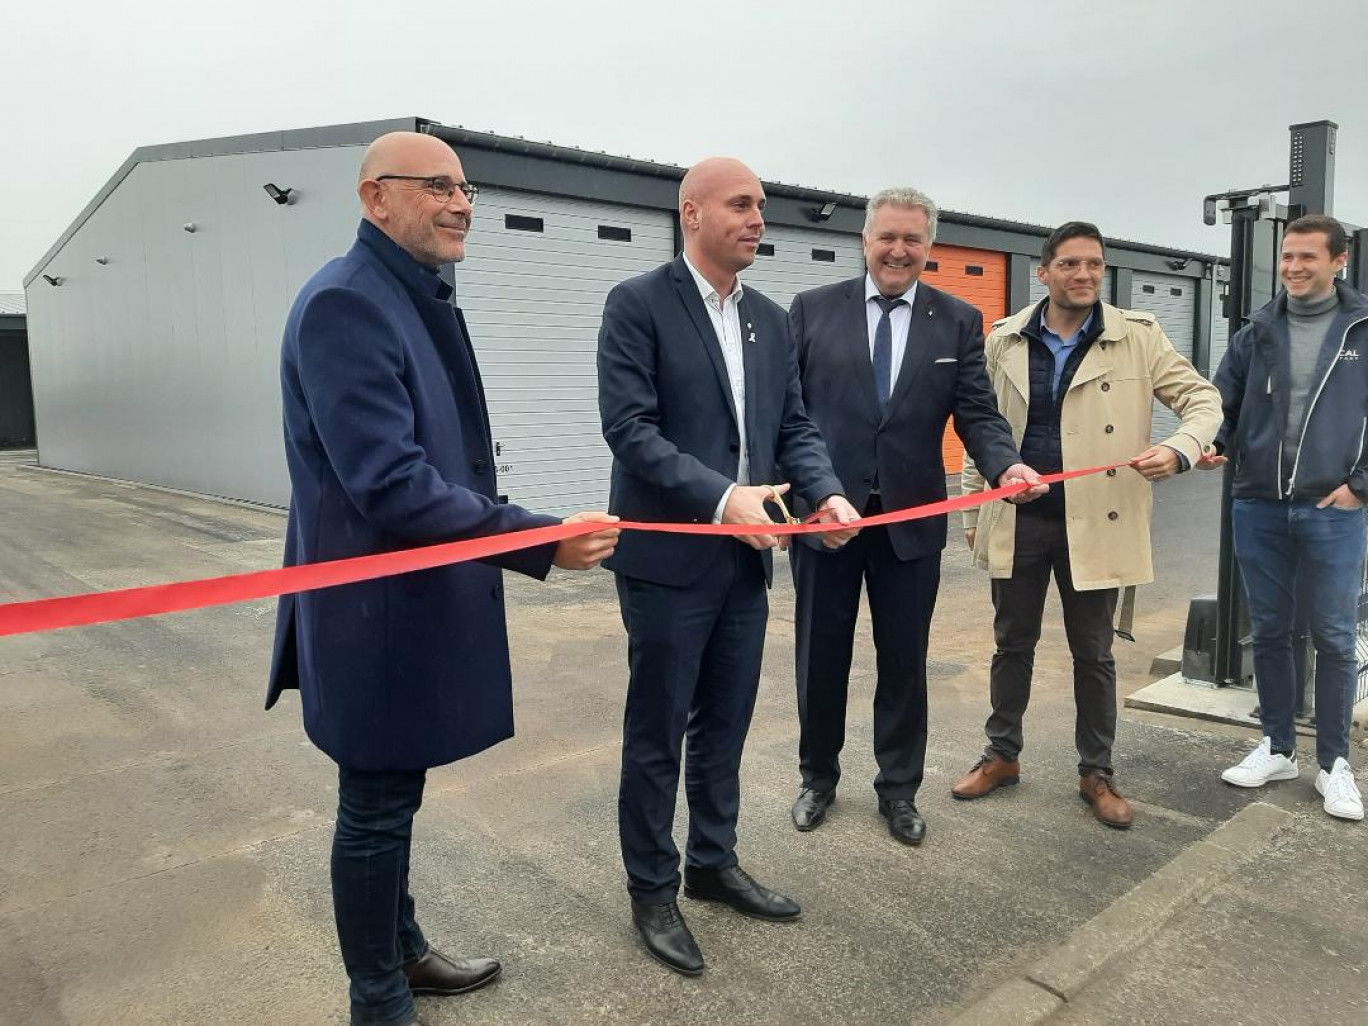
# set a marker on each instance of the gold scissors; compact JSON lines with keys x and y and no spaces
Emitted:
{"x":778,"y":500}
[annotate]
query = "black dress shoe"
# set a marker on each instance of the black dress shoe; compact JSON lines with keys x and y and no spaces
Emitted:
{"x":811,"y":808}
{"x":904,"y":821}
{"x":434,"y":973}
{"x":667,"y":937}
{"x":733,"y":886}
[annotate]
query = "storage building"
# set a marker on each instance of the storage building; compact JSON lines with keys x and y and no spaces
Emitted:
{"x":156,"y":317}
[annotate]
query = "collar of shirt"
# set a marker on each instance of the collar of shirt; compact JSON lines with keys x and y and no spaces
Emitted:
{"x":417,"y":277}
{"x":1057,"y":342}
{"x":705,"y":288}
{"x":872,"y":290}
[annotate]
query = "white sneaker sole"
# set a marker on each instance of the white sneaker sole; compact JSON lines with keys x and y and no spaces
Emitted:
{"x":1231,"y":776}
{"x":1352,"y":815}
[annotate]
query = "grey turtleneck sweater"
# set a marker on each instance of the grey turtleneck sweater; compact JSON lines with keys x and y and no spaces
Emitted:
{"x":1308,"y":322}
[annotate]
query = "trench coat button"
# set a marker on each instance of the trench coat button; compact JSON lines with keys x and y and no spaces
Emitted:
{"x":1112,"y":472}
{"x":496,"y":592}
{"x":1106,"y":386}
{"x":1110,"y":429}
{"x":735,"y":447}
{"x":1112,"y":515}
{"x":479,"y":466}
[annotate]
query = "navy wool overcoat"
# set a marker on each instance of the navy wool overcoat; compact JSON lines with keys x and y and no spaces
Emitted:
{"x":388,"y":445}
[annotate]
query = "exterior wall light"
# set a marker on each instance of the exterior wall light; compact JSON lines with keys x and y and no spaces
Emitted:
{"x":281,"y":196}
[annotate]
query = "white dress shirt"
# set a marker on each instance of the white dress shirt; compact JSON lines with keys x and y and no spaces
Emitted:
{"x":900,"y":318}
{"x":725,"y":315}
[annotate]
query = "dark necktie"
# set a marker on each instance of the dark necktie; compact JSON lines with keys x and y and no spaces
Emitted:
{"x":883,"y":349}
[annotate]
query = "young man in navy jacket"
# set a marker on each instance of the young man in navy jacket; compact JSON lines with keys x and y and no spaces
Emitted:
{"x":1294,"y":385}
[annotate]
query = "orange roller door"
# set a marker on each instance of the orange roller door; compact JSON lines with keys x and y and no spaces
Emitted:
{"x":977,"y":276}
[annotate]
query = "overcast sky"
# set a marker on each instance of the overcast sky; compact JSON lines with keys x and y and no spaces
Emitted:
{"x":1034,"y":110}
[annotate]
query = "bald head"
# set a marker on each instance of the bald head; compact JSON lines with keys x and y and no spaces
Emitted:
{"x":721,"y":215}
{"x":706,"y":177}
{"x":416,"y":204}
{"x":406,"y":153}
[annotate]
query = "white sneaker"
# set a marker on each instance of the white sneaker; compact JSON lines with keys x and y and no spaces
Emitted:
{"x":1261,"y":766}
{"x":1342,"y":798}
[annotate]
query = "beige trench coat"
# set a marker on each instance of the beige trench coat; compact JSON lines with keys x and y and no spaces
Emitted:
{"x":1105,"y":418}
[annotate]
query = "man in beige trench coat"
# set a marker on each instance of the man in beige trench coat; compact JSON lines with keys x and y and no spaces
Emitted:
{"x":1075,"y":378}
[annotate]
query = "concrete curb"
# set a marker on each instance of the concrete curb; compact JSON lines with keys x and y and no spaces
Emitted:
{"x":1174,"y":696}
{"x":1128,"y":922}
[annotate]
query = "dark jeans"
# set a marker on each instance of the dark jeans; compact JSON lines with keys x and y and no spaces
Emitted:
{"x":1042,"y":548}
{"x":902,"y":598}
{"x":1274,"y":543}
{"x":371,"y":901}
{"x":694,"y":654}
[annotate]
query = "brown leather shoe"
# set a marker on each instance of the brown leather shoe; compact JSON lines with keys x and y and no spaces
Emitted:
{"x":1096,"y":788}
{"x":434,"y":973}
{"x":988,"y":774}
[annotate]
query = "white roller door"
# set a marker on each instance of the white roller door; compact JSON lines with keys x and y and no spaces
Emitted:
{"x":793,"y":260}
{"x":532,"y":289}
{"x":1220,"y":340}
{"x":1173,"y":301}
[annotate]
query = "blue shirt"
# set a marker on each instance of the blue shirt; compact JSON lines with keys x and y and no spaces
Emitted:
{"x":1061,"y":348}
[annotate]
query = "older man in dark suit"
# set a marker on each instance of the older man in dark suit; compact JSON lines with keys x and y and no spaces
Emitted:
{"x":885,"y":362}
{"x":388,"y":446}
{"x":698,"y":392}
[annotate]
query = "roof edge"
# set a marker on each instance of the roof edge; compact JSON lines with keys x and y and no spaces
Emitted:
{"x":366,"y":131}
{"x":354,"y":134}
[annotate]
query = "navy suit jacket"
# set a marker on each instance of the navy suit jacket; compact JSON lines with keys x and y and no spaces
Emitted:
{"x":942,"y":376}
{"x":668,"y":416}
{"x":387,"y":441}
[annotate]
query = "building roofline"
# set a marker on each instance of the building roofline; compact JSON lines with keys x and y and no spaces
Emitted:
{"x":360,"y":133}
{"x":364,"y":132}
{"x":458,"y":136}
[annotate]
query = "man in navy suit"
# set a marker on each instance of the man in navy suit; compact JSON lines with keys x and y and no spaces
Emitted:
{"x":699,"y":396}
{"x":885,"y":362}
{"x":387,"y":440}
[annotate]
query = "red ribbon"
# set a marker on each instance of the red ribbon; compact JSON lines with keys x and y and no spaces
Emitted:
{"x":130,"y":603}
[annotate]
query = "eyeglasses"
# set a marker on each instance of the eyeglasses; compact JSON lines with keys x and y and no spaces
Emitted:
{"x":441,"y":187}
{"x":1071,"y":264}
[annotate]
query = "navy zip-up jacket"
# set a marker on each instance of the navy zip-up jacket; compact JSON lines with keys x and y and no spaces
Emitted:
{"x":1254,"y":381}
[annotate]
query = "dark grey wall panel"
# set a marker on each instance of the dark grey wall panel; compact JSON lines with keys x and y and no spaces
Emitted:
{"x":16,"y":391}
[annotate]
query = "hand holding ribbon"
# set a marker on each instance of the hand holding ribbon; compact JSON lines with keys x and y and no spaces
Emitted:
{"x":151,"y":600}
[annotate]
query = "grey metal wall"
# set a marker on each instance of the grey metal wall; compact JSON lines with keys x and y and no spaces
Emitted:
{"x":162,"y":365}
{"x":1173,"y":301}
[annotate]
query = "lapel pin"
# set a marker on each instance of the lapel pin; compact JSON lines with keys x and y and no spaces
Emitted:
{"x":751,"y":336}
